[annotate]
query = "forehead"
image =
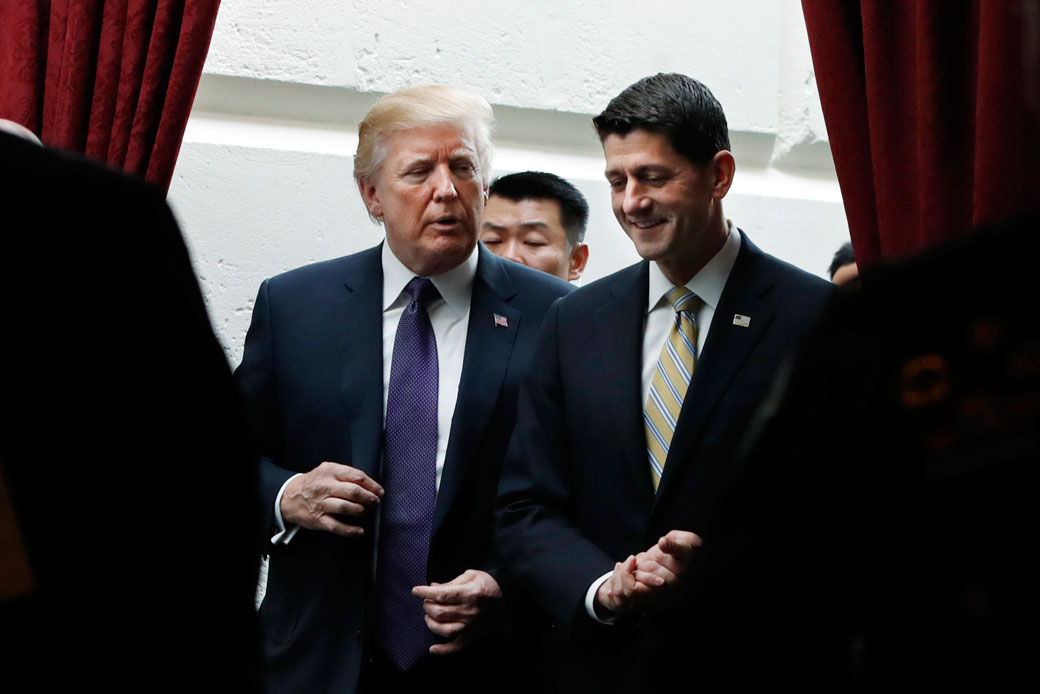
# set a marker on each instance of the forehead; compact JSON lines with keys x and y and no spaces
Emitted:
{"x":505,"y":212}
{"x":427,"y":141}
{"x":640,"y":148}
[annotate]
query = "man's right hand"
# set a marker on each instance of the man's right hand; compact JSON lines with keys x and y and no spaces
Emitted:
{"x":329,"y":497}
{"x":647,"y":577}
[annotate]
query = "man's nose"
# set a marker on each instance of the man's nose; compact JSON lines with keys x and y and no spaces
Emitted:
{"x":443,"y":184}
{"x":635,"y":198}
{"x":511,"y":251}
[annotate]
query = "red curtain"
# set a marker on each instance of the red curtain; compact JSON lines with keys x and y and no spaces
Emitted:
{"x":928,"y":113}
{"x":114,"y":79}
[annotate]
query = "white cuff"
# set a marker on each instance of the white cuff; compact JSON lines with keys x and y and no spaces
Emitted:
{"x":590,"y":599}
{"x":261,"y":580}
{"x":283,"y":535}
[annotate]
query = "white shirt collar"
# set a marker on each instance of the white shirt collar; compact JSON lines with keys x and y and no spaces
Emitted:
{"x":455,"y":286}
{"x":708,"y":283}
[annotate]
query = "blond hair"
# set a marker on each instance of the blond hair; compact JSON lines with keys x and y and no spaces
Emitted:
{"x":414,"y":107}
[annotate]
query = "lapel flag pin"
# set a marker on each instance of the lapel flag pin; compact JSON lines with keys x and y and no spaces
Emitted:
{"x":501,"y":322}
{"x":742,"y":321}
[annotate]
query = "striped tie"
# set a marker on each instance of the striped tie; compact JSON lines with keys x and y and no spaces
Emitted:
{"x":670,"y":381}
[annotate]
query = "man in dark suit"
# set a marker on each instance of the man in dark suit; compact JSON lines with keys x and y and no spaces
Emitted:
{"x":382,"y":386}
{"x":639,"y":392}
{"x":119,"y":412}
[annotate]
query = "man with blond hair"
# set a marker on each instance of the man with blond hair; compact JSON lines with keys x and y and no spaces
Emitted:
{"x":382,"y":390}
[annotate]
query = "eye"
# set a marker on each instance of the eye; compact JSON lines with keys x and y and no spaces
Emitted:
{"x":491,"y":242}
{"x":654,"y":179}
{"x":616,"y":183}
{"x":416,"y":172}
{"x":534,"y":243}
{"x":463,"y":168}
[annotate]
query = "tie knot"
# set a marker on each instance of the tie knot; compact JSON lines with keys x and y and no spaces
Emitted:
{"x":422,"y":291}
{"x":682,"y":299}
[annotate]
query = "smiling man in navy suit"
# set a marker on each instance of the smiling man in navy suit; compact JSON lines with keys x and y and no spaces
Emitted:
{"x":640,"y":390}
{"x":382,"y":388}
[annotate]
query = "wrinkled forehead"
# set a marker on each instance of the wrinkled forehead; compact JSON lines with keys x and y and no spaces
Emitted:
{"x":433,"y":139}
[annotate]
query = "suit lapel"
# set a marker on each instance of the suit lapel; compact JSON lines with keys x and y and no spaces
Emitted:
{"x":619,"y":325}
{"x":361,"y":333}
{"x":489,"y":346}
{"x":728,"y":347}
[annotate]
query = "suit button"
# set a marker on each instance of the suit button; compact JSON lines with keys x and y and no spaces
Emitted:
{"x":358,"y":636}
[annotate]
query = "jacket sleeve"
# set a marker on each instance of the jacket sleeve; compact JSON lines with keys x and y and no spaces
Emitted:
{"x":541,"y":548}
{"x":256,"y":380}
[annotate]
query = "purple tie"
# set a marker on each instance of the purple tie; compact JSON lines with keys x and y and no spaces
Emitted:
{"x":410,"y":480}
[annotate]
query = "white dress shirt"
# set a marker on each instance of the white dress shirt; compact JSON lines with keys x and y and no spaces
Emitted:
{"x":449,"y":317}
{"x":707,"y":284}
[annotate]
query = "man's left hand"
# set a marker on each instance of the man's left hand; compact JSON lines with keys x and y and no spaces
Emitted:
{"x":459,"y":609}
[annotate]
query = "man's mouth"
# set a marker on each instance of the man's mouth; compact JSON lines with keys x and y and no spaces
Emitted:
{"x":446,"y":220}
{"x":645,"y":223}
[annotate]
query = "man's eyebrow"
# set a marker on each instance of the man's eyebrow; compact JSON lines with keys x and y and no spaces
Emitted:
{"x":650,"y":168}
{"x":639,"y":170}
{"x":417,"y":159}
{"x":534,"y":224}
{"x":492,"y":226}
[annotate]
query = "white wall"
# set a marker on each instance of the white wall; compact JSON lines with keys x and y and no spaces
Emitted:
{"x":263,"y":183}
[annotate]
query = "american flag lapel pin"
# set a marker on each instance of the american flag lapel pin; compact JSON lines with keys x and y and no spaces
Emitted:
{"x":742,"y":321}
{"x":501,"y":322}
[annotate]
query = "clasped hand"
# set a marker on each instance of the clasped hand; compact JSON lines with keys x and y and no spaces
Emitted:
{"x":646,"y":577}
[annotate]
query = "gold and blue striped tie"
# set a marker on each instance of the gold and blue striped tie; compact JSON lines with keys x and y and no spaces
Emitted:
{"x":670,"y":381}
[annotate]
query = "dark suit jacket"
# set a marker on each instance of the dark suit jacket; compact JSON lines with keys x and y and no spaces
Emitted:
{"x":909,"y":502}
{"x":312,"y":377}
{"x":576,"y":495}
{"x":122,"y":435}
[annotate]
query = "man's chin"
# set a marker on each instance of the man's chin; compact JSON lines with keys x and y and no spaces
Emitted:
{"x":649,"y":251}
{"x":444,"y":254}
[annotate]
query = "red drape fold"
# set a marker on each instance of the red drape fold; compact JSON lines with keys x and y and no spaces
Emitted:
{"x":114,"y":79}
{"x":925,"y":113}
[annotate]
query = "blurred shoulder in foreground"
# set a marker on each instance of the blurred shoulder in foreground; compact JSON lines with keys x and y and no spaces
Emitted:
{"x":902,"y":517}
{"x":120,"y":419}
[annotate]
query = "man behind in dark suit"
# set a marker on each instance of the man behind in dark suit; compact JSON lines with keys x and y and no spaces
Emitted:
{"x":382,"y":389}
{"x":611,"y":488}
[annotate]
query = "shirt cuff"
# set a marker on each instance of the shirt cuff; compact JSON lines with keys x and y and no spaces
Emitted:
{"x":284,"y":534}
{"x":590,"y":599}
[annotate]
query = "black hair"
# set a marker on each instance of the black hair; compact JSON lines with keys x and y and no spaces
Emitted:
{"x":844,"y":256}
{"x":679,"y":107}
{"x":538,"y":185}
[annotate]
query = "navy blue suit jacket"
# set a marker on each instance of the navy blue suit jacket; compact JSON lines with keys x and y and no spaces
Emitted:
{"x":576,"y":495}
{"x":312,"y":379}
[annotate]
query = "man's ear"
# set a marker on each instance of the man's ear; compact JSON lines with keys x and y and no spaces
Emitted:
{"x":579,"y":258}
{"x":723,"y":167}
{"x":371,"y":197}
